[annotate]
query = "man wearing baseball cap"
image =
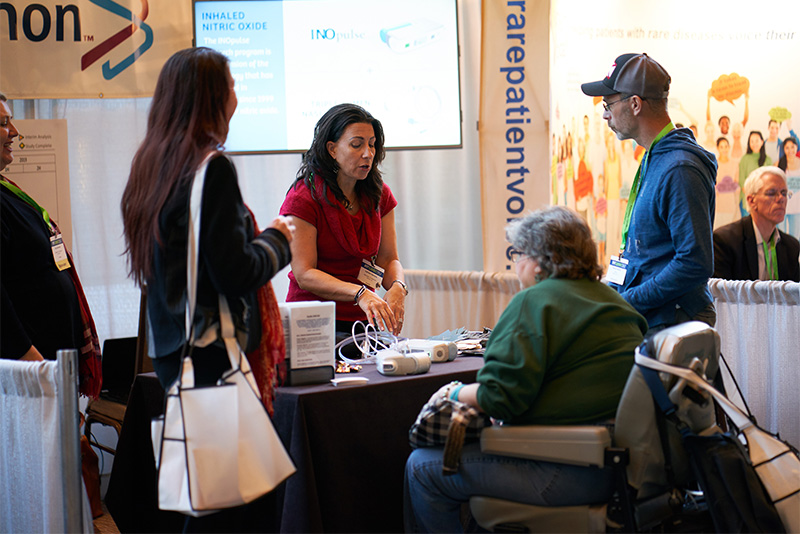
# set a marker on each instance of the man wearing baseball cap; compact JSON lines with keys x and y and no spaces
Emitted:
{"x":667,"y":251}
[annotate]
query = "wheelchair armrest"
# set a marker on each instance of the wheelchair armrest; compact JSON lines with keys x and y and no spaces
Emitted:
{"x":576,"y":445}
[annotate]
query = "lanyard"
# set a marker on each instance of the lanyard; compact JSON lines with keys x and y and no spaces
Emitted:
{"x":770,"y":258}
{"x":637,"y":181}
{"x":28,"y":200}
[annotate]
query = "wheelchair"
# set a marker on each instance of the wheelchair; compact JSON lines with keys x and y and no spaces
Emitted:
{"x":654,"y":486}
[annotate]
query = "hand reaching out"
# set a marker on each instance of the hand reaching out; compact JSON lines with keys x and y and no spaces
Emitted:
{"x":285,"y":226}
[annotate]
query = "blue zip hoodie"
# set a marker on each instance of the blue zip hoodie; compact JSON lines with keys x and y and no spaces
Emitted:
{"x":670,"y":246}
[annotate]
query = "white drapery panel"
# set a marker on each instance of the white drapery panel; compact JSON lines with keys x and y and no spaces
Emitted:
{"x":446,"y":300}
{"x":31,"y":449}
{"x":759,"y":327}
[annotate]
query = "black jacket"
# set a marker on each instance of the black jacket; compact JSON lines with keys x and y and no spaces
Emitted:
{"x":232,"y":261}
{"x":736,"y":255}
{"x":40,"y":306}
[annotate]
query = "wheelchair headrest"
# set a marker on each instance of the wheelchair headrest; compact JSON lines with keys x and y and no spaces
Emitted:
{"x":680,"y":344}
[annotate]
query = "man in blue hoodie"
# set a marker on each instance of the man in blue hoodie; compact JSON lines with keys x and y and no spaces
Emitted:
{"x":667,"y":252}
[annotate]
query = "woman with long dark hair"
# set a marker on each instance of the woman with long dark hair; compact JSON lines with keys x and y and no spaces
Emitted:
{"x":346,"y":242}
{"x":188,"y":122}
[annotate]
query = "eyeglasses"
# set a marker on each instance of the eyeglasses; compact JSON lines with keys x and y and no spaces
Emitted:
{"x":516,"y":256}
{"x":607,"y":105}
{"x":773,"y":193}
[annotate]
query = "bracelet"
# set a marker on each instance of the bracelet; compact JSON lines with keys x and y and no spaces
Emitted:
{"x":358,"y":295}
{"x":402,"y":284}
{"x":450,"y":386}
{"x":454,"y":393}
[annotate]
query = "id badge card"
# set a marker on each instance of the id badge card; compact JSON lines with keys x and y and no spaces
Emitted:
{"x":59,"y":252}
{"x":370,"y":274}
{"x":617,"y":270}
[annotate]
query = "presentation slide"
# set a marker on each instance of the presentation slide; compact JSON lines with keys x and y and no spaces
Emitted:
{"x":294,"y":59}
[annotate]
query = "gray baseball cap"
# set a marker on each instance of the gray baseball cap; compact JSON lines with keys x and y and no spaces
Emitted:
{"x":635,"y":74}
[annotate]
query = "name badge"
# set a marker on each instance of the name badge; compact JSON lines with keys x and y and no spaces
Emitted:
{"x":59,"y":252}
{"x":370,"y":274}
{"x":617,"y":270}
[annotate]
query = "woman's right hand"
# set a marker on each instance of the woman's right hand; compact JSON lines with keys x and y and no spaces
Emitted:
{"x":378,"y":311}
{"x":285,"y":226}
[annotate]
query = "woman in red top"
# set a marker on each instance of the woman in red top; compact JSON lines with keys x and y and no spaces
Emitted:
{"x":344,"y":215}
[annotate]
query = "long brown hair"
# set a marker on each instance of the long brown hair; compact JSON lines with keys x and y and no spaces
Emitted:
{"x":187,"y":119}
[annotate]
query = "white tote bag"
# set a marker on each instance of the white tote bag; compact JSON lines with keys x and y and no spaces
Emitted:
{"x":775,"y":462}
{"x":215,"y":446}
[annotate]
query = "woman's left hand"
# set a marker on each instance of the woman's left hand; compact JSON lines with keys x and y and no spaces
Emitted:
{"x":396,"y":299}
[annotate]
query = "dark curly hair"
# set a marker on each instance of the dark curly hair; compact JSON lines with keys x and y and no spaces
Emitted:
{"x":318,"y":161}
{"x":559,"y":241}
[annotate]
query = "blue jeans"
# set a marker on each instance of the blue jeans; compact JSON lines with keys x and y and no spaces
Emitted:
{"x":432,"y":501}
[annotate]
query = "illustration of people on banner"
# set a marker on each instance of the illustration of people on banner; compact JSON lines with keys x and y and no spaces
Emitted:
{"x":594,"y":174}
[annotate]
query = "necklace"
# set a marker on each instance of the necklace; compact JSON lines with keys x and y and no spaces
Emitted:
{"x":349,"y":206}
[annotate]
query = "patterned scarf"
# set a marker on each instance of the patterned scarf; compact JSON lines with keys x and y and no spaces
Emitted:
{"x":266,"y":361}
{"x":90,"y":368}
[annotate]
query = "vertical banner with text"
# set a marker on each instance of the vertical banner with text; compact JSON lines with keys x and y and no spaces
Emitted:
{"x":513,"y":119}
{"x":89,"y":48}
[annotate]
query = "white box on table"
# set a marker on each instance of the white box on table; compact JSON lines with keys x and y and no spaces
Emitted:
{"x":309,"y":329}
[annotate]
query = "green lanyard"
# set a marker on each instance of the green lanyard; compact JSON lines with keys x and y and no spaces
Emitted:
{"x":637,"y":181}
{"x":28,"y":200}
{"x":770,"y":258}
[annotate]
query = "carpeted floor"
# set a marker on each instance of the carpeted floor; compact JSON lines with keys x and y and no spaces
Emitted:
{"x":105,"y":523}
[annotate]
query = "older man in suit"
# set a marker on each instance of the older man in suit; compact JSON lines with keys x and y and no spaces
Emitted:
{"x":752,"y":248}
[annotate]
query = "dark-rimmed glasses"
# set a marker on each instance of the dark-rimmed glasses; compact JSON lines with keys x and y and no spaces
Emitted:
{"x":607,"y":105}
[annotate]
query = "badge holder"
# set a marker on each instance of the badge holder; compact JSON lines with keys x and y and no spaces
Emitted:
{"x":59,"y":252}
{"x":617,"y":270}
{"x":371,"y":275}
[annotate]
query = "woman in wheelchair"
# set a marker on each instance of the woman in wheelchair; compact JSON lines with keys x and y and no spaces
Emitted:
{"x":560,"y":354}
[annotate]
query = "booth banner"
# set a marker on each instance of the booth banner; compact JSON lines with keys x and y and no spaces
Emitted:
{"x":733,"y":83}
{"x":513,"y":120}
{"x":89,"y":48}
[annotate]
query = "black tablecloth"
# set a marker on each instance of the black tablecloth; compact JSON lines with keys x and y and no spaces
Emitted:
{"x":349,"y":444}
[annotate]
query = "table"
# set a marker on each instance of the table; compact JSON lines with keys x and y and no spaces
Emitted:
{"x":349,"y":444}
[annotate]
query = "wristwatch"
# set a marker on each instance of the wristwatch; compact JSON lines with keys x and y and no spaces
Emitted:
{"x":402,"y":284}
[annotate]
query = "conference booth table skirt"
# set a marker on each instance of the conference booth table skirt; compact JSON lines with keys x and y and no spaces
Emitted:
{"x":349,"y":444}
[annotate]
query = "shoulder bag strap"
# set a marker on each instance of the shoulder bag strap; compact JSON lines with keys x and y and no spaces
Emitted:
{"x":739,"y":418}
{"x":235,"y":354}
{"x":193,"y":243}
{"x":665,"y":411}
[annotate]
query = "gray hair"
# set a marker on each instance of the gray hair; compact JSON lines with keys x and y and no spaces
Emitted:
{"x":755,"y":180}
{"x":559,"y":241}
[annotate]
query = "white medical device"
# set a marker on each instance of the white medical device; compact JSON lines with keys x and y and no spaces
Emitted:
{"x":439,"y":351}
{"x":392,"y":363}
